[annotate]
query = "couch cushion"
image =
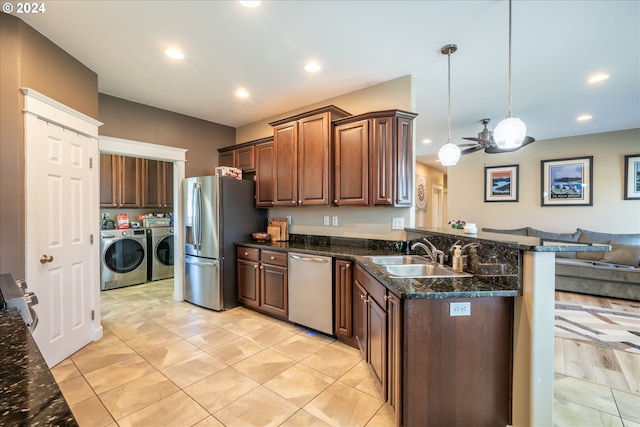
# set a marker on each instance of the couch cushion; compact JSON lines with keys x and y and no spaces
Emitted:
{"x":587,"y":236}
{"x":623,"y":254}
{"x":517,"y":231}
{"x":566,"y":237}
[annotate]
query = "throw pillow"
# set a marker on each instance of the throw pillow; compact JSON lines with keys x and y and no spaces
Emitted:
{"x":623,"y":255}
{"x":587,"y":236}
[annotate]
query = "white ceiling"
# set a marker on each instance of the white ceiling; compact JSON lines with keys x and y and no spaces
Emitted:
{"x":557,"y":45}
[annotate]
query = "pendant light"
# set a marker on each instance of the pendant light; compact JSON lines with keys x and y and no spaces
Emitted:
{"x":511,"y":131}
{"x":449,"y":153}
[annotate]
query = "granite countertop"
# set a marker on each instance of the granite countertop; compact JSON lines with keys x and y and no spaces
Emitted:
{"x":404,"y":288}
{"x":524,"y":243}
{"x":29,"y":395}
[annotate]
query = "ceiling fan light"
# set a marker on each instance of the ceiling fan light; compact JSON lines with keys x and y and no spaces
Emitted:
{"x":510,"y":133}
{"x":449,"y":154}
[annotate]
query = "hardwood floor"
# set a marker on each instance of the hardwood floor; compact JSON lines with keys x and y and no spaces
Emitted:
{"x":596,"y":385}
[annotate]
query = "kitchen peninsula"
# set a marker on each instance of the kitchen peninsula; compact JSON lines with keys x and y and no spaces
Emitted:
{"x":432,"y":365}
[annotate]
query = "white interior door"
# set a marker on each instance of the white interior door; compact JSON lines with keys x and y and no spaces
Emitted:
{"x":436,"y":206}
{"x":61,"y":216}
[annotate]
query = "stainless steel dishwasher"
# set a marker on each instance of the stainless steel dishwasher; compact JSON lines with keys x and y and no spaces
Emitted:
{"x":311,"y":292}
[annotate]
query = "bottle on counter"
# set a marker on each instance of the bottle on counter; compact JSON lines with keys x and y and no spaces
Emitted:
{"x":457,"y":259}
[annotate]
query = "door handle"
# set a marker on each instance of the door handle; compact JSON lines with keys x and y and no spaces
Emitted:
{"x":45,"y":259}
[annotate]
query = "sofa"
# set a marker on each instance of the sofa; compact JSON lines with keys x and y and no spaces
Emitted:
{"x":614,"y":274}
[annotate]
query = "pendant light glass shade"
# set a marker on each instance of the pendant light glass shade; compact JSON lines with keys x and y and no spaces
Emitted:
{"x":510,"y":133}
{"x":449,"y":154}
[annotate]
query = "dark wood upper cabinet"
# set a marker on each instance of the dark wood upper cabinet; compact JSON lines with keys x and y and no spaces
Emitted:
{"x":265,"y":175}
{"x":227,"y":158}
{"x":302,"y":157}
{"x":373,"y":161}
{"x":245,"y":158}
{"x":120,"y":181}
{"x":158,"y":184}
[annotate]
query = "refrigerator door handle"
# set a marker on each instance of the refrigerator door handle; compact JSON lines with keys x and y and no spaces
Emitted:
{"x":192,"y":261}
{"x":197,"y":217}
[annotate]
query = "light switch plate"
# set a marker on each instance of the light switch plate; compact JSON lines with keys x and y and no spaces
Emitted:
{"x":397,"y":223}
{"x":334,"y":221}
{"x":326,"y":220}
{"x":460,"y":309}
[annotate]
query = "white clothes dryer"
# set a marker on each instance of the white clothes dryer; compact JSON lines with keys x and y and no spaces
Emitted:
{"x":124,"y":258}
{"x":160,"y":249}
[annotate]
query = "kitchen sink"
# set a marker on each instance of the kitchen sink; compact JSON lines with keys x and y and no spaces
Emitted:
{"x":398,"y":259}
{"x":422,"y":270}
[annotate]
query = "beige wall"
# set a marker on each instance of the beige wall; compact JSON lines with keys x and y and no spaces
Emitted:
{"x":609,"y":213}
{"x":138,"y":122}
{"x":352,"y":221}
{"x":30,"y":60}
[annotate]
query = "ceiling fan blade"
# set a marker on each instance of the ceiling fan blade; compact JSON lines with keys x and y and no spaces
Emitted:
{"x":467,"y":145}
{"x":471,"y":150}
{"x":493,"y":149}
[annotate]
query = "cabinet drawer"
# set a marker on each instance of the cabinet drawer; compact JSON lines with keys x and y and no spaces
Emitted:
{"x":250,"y":254}
{"x":273,"y":257}
{"x":374,"y":288}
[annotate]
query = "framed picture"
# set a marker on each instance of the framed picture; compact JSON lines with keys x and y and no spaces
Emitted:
{"x":632,"y":177}
{"x":501,"y":183}
{"x":567,"y":182}
{"x":421,"y":193}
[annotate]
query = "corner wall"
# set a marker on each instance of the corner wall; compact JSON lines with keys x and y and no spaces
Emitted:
{"x":609,"y":213}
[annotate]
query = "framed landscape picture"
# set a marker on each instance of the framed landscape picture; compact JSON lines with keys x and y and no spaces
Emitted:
{"x":501,"y":183}
{"x":567,"y":182}
{"x":632,"y":177}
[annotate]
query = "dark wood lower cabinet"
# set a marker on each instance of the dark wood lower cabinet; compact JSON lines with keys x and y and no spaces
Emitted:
{"x":457,"y":370}
{"x":274,"y":290}
{"x":263,"y":282}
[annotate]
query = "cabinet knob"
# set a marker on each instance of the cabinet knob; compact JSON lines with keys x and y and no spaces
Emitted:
{"x":272,"y":258}
{"x":386,"y":297}
{"x":347,"y":266}
{"x":246,"y":253}
{"x":273,"y":203}
{"x":299,"y":202}
{"x":389,"y":201}
{"x":335,"y":201}
{"x":262,"y":267}
{"x":255,"y":266}
{"x":293,"y":202}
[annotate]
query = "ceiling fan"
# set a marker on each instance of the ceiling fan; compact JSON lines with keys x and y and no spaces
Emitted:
{"x":485,"y":142}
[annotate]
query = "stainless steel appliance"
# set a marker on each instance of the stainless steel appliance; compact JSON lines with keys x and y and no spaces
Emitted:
{"x":160,"y":253}
{"x":14,"y":294}
{"x":124,"y":258}
{"x":218,"y":212}
{"x":311,"y":292}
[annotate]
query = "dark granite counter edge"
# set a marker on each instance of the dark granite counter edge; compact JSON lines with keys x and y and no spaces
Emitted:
{"x":29,"y":395}
{"x":464,"y":287}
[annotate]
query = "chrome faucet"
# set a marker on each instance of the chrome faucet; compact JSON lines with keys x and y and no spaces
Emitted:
{"x":434,"y":253}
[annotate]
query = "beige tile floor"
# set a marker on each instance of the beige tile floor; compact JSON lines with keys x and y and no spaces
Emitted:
{"x":167,"y":363}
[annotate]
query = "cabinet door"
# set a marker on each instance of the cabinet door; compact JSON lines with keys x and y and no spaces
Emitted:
{"x":248,"y":283}
{"x":381,"y":161}
{"x":227,"y":158}
{"x":245,"y":158}
{"x":108,"y":181}
{"x":344,"y":298}
{"x":351,"y":164}
{"x":130,"y":182}
{"x":168,"y":184}
{"x":360,"y":313}
{"x":403,"y":165}
{"x":285,"y":139}
{"x":394,"y":358}
{"x":265,"y":175}
{"x":313,"y":147}
{"x":377,"y":342}
{"x":153,"y":188}
{"x":274,"y":290}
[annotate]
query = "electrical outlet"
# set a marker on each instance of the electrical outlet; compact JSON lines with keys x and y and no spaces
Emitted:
{"x":335,"y":221}
{"x":289,"y":219}
{"x":397,"y":223}
{"x":326,"y":220}
{"x":106,"y":215}
{"x":460,"y":309}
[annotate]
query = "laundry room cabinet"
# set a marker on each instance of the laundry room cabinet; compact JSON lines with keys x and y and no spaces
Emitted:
{"x":157,"y":184}
{"x":120,"y":181}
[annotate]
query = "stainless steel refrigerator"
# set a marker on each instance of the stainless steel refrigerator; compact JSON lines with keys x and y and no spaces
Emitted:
{"x":218,"y":212}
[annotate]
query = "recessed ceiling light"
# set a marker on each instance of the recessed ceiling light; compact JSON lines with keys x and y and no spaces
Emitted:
{"x":312,"y":67}
{"x":598,"y":78}
{"x":249,"y":3}
{"x":426,"y":141}
{"x":584,"y":117}
{"x":241,"y":93}
{"x":174,"y":53}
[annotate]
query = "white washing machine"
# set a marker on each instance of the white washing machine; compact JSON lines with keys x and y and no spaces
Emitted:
{"x":160,"y":252}
{"x":124,"y":258}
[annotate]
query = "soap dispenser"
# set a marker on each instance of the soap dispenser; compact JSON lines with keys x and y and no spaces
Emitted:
{"x":457,"y":259}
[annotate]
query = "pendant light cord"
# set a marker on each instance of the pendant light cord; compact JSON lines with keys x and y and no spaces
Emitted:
{"x":449,"y":91}
{"x":509,"y":84}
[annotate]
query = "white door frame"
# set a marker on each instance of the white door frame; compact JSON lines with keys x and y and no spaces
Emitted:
{"x":437,"y":201}
{"x":127,"y":147}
